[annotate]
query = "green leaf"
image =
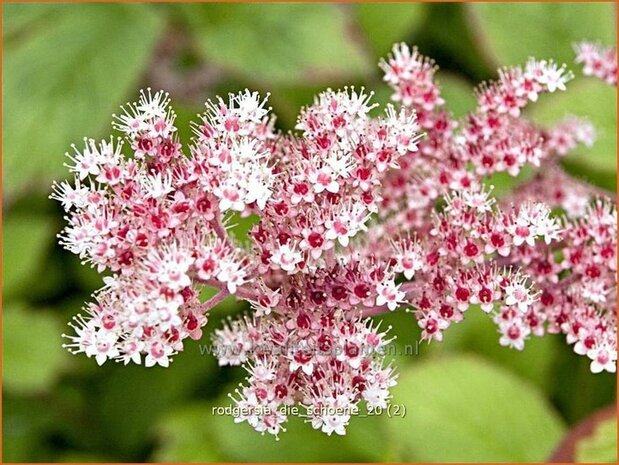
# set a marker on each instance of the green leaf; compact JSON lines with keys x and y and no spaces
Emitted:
{"x":595,"y":101}
{"x":278,"y":43}
{"x":511,"y":32}
{"x":185,"y":435}
{"x":601,"y":446}
{"x":467,"y":410}
{"x":33,"y":356}
{"x":387,"y":23}
{"x":63,"y":77}
{"x":477,"y":334}
{"x":17,"y":19}
{"x":185,"y":115}
{"x":152,"y":392}
{"x":407,"y":347}
{"x":198,"y":433}
{"x":239,"y":227}
{"x":84,"y":276}
{"x":26,"y":423}
{"x":447,"y":38}
{"x":25,"y":241}
{"x":504,"y":183}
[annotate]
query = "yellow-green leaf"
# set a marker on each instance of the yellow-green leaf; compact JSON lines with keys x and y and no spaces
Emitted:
{"x":464,"y":409}
{"x":511,"y":32}
{"x":64,"y":74}
{"x":601,"y":446}
{"x":32,"y":355}
{"x":25,"y":241}
{"x":596,"y":101}
{"x":387,"y":23}
{"x":277,"y":43}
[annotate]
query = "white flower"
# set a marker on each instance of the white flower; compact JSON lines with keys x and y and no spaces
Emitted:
{"x":231,"y":273}
{"x":554,"y":77}
{"x":595,"y":291}
{"x":286,"y":258}
{"x":158,"y":354}
{"x":153,"y":106}
{"x":156,"y":186}
{"x":517,"y":294}
{"x":101,"y":345}
{"x":603,"y":358}
{"x":522,"y":232}
{"x":263,"y":370}
{"x":259,"y":186}
{"x":389,"y":294}
{"x":250,"y":107}
{"x":433,"y":325}
{"x":324,"y":179}
{"x":170,"y":267}
{"x":87,"y":161}
{"x":230,"y":197}
{"x":376,"y":396}
{"x":548,"y":228}
{"x":409,"y":258}
{"x":70,"y":196}
{"x":232,"y":344}
{"x":332,"y":415}
{"x":534,"y":220}
{"x":513,"y":333}
{"x":131,"y":351}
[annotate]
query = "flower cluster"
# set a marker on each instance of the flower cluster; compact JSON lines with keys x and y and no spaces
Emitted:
{"x":324,"y":361}
{"x":598,"y":61}
{"x":153,"y":220}
{"x":353,"y":216}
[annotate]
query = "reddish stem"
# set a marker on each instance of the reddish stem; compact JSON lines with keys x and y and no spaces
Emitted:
{"x":242,"y":292}
{"x":213,"y":301}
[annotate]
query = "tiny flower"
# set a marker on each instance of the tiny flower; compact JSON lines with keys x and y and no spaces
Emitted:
{"x":409,"y":258}
{"x":102,"y":345}
{"x":554,"y":77}
{"x":433,"y":325}
{"x":389,"y":294}
{"x":516,"y":293}
{"x":158,"y":354}
{"x":286,"y":258}
{"x":603,"y":359}
{"x":513,"y":334}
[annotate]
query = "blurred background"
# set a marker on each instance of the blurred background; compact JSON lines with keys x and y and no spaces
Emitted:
{"x":68,"y":67}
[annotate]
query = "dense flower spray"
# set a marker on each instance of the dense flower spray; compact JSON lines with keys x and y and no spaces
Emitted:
{"x":355,"y":216}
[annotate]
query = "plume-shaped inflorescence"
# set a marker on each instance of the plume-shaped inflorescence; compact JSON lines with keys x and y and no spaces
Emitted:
{"x":354,"y":216}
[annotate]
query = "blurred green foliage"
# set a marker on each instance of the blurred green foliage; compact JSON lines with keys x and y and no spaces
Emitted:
{"x":236,"y":38}
{"x":67,"y":67}
{"x":65,"y":71}
{"x":453,"y":401}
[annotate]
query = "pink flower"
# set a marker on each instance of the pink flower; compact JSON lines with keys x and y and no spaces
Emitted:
{"x":516,"y":293}
{"x":433,"y":326}
{"x":513,"y":333}
{"x":598,"y":61}
{"x":389,"y":294}
{"x":286,"y":258}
